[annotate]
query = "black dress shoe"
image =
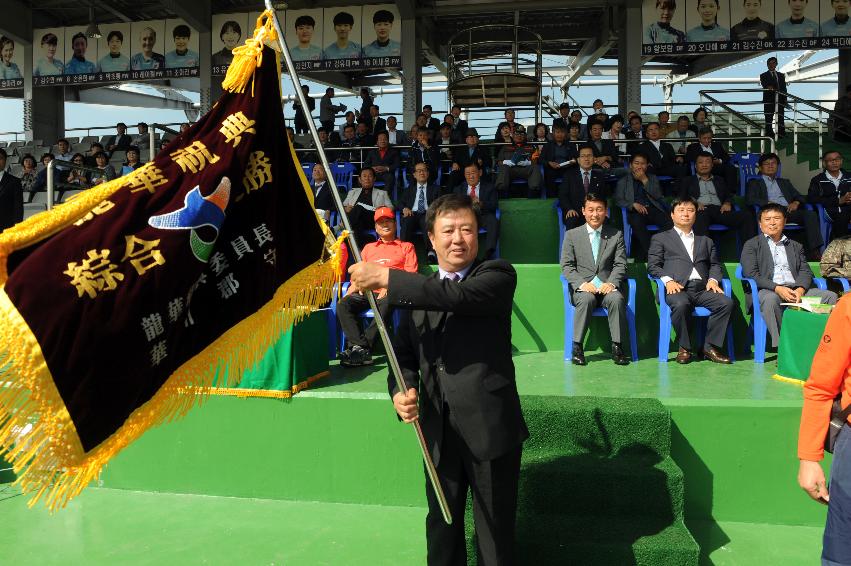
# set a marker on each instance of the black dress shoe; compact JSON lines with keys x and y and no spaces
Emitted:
{"x":578,"y":355}
{"x":683,"y":356}
{"x":618,"y":356}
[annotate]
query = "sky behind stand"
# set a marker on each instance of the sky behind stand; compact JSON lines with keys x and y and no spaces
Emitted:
{"x":78,"y":115}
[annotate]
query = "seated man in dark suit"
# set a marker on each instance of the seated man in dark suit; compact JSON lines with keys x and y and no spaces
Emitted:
{"x":384,"y":160}
{"x":769,"y":188}
{"x":414,"y":203}
{"x":323,"y":200}
{"x":780,"y":269}
{"x":563,"y":119}
{"x":832,"y":189}
{"x":688,"y":267}
{"x":721,"y":165}
{"x":459,"y":126}
{"x":424,"y":150}
{"x":462,"y":157}
{"x":576,"y":184}
{"x":556,"y":157}
{"x":605,"y":153}
{"x":486,"y":201}
{"x":11,"y":196}
{"x":663,"y":159}
{"x":593,"y":260}
{"x":715,"y":201}
{"x":639,"y":192}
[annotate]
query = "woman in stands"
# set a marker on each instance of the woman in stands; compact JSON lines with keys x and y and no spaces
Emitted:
{"x":752,"y":27}
{"x":78,"y":176}
{"x":105,"y":171}
{"x":699,"y":119}
{"x":505,"y":134}
{"x":708,"y":29}
{"x":49,"y":64}
{"x":132,"y":162}
{"x":616,"y":132}
{"x":8,"y":70}
{"x":29,"y":173}
{"x":542,"y":133}
{"x":662,"y":31}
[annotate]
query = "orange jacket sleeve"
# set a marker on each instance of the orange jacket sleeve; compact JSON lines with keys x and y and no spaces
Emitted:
{"x":830,"y":373}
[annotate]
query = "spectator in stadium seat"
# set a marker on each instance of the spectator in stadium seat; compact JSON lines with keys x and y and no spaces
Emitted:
{"x":715,"y":201}
{"x":459,"y":126}
{"x":574,"y":133}
{"x":682,"y":136}
{"x":636,"y":129}
{"x":231,"y":34}
{"x":78,"y":64}
{"x":105,"y":173}
{"x":665,"y":125}
{"x":120,"y":141}
{"x":300,"y":119}
{"x":774,"y":97}
{"x":394,"y":136}
{"x":780,"y":269}
{"x":708,"y":28}
{"x":663,"y":159}
{"x":444,"y":142}
{"x":78,"y":177}
{"x":752,"y":27}
{"x":8,"y":69}
{"x":509,"y":121}
{"x":615,"y":132}
{"x":29,"y":173}
{"x":505,"y":135}
{"x":485,"y":202}
{"x":63,"y":153}
{"x":132,"y":163}
{"x":362,"y":136}
{"x":842,"y":128}
{"x":388,"y":251}
{"x":348,"y":120}
{"x":433,"y":124}
{"x":769,"y":188}
{"x":832,"y":189}
{"x":414,"y":202}
{"x":114,"y":61}
{"x":323,"y":200}
{"x":688,"y":266}
{"x":563,"y":116}
{"x":327,"y":110}
{"x":91,"y":154}
{"x":349,"y":141}
{"x":142,"y":140}
{"x":424,"y":151}
{"x":556,"y":157}
{"x":473,"y":153}
{"x":640,"y":193}
{"x":384,"y":161}
{"x":454,"y":133}
{"x":147,"y":59}
{"x":661,"y":31}
{"x":836,"y":260}
{"x":576,"y":118}
{"x":379,"y":124}
{"x":699,"y":117}
{"x":360,"y":204}
{"x":518,"y":161}
{"x":11,"y":196}
{"x":181,"y":56}
{"x":48,"y":64}
{"x":598,"y":114}
{"x":577,"y":183}
{"x":796,"y":25}
{"x":593,"y":260}
{"x":605,"y":153}
{"x":720,"y":158}
{"x":542,"y":133}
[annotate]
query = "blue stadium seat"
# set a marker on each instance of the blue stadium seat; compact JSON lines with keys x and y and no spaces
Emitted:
{"x":600,"y":311}
{"x":343,"y":173}
{"x":627,"y":231}
{"x":825,"y":223}
{"x":308,"y":170}
{"x":700,"y":312}
{"x":335,"y":333}
{"x":748,"y":170}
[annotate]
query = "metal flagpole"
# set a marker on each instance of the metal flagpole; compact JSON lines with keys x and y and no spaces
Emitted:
{"x":392,"y":361}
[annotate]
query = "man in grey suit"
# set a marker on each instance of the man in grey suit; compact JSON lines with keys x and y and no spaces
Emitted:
{"x":593,"y":260}
{"x":769,"y":187}
{"x":361,"y":203}
{"x":780,"y":269}
{"x":688,"y":267}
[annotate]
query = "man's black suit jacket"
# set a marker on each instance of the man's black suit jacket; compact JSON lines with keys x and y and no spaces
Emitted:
{"x":718,"y":151}
{"x":390,"y":159}
{"x":608,"y":148}
{"x":691,"y":187}
{"x":11,"y":201}
{"x":379,"y":125}
{"x":323,"y":199}
{"x":668,"y":257}
{"x":486,"y":193}
{"x":571,"y":192}
{"x":766,"y":80}
{"x":664,"y":157}
{"x":454,"y":346}
{"x":461,"y":156}
{"x":409,"y":195}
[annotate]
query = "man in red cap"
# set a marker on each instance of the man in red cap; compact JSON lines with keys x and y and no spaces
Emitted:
{"x":388,"y":251}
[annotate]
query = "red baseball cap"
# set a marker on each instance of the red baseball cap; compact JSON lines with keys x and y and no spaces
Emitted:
{"x":384,"y":212}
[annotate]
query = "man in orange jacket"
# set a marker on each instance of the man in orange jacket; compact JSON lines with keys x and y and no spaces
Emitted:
{"x":830,"y":374}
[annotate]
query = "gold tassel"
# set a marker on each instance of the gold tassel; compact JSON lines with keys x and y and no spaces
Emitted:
{"x":249,"y":56}
{"x":792,"y":380}
{"x":268,"y":393}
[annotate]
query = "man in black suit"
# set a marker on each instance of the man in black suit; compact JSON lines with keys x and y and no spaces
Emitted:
{"x":486,"y":201}
{"x":433,"y":124}
{"x":770,"y":188}
{"x":688,"y":267}
{"x":563,"y":119}
{"x":459,"y":126}
{"x":720,"y":158}
{"x":715,"y":201}
{"x":557,"y":157}
{"x":663,"y":158}
{"x":773,"y":97}
{"x":605,"y":153}
{"x":415,"y":200}
{"x":832,"y":189}
{"x":576,"y":184}
{"x":120,"y":141}
{"x":11,"y":196}
{"x":454,"y":349}
{"x":472,"y":154}
{"x":780,"y":270}
{"x":323,"y":201}
{"x":384,"y":160}
{"x":379,"y":124}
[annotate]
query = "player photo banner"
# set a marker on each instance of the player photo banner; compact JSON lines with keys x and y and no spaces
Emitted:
{"x":691,"y":27}
{"x":157,"y":282}
{"x":158,"y":49}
